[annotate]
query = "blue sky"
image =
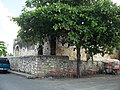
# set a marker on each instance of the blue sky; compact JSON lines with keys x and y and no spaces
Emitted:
{"x":14,"y":6}
{"x":8,"y":29}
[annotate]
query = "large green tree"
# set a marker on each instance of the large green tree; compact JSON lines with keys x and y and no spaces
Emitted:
{"x":107,"y":37}
{"x":64,"y":20}
{"x":93,"y":27}
{"x":106,"y":32}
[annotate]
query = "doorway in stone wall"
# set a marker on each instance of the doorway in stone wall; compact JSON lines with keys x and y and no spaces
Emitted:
{"x":52,"y":45}
{"x":40,"y":50}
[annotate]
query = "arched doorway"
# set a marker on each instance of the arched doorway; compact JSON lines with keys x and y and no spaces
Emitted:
{"x":17,"y":50}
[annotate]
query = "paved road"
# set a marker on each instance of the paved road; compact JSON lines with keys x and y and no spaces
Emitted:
{"x":14,"y":82}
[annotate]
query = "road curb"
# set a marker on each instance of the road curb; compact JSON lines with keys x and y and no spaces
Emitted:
{"x":28,"y":76}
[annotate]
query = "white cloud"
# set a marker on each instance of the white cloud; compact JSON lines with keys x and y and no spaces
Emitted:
{"x":8,"y":29}
{"x":116,"y":1}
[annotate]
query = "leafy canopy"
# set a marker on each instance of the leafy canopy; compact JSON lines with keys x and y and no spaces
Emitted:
{"x":94,"y":26}
{"x":38,"y":3}
{"x":108,"y":35}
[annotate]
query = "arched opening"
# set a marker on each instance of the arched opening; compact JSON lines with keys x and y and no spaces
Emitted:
{"x":17,"y":51}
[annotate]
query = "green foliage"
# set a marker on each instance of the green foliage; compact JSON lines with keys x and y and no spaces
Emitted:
{"x":106,"y":35}
{"x":94,"y":26}
{"x":3,"y":51}
{"x":34,"y":26}
{"x":38,"y":3}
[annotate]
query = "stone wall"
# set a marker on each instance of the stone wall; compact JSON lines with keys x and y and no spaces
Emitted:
{"x":27,"y":49}
{"x":41,"y":65}
{"x":70,"y":51}
{"x":38,"y":65}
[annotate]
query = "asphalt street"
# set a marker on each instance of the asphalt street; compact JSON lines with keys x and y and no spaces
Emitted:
{"x":14,"y":82}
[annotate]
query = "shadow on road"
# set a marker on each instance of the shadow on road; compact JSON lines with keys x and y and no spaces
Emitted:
{"x":4,"y":72}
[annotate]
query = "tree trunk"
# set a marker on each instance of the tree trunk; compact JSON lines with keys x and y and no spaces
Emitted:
{"x":78,"y":61}
{"x":91,"y":55}
{"x":118,"y":55}
{"x":92,"y":58}
{"x":87,"y":57}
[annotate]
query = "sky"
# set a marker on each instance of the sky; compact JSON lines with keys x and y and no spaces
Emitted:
{"x":8,"y":29}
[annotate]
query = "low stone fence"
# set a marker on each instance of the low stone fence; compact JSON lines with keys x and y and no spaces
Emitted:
{"x":38,"y":65}
{"x":41,"y":66}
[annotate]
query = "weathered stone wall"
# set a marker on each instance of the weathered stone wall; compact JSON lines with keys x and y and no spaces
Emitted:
{"x":70,"y":51}
{"x":41,"y":65}
{"x":24,"y":64}
{"x":38,"y":65}
{"x":24,"y":49}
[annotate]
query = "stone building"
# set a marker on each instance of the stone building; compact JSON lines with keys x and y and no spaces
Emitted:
{"x":41,"y":60}
{"x":52,"y":46}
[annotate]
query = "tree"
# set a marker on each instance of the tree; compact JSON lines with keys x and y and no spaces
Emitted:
{"x":108,"y":36}
{"x":85,"y":26}
{"x":3,"y":49}
{"x":65,"y":20}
